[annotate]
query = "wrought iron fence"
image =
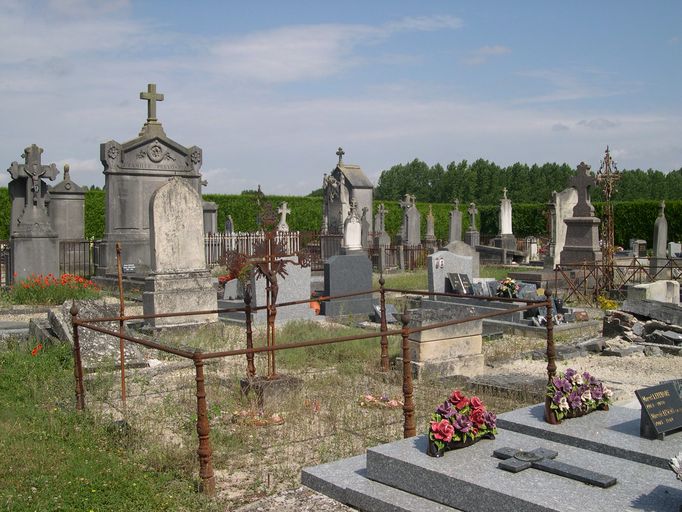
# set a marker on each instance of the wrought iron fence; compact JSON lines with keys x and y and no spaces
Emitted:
{"x":77,"y":257}
{"x":217,"y":244}
{"x":5,"y":263}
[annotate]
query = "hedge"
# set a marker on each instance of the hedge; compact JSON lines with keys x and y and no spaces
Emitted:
{"x":633,"y":219}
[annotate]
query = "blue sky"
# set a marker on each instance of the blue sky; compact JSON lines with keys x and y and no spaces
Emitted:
{"x":269,"y":90}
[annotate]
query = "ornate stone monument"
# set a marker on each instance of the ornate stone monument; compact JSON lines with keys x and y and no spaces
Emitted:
{"x":346,"y":183}
{"x":133,"y":171}
{"x":455,"y":233}
{"x":505,"y":239}
{"x":179,"y":280}
{"x":35,"y":247}
{"x":381,"y":238}
{"x":582,"y":229}
{"x":472,"y":237}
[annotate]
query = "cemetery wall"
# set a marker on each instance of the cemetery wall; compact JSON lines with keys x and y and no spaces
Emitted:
{"x":634,"y":219}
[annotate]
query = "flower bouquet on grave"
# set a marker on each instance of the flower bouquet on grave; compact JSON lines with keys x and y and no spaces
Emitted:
{"x":459,"y":422}
{"x":508,"y":288}
{"x":572,"y":394}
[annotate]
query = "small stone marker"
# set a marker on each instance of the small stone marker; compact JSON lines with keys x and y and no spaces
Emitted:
{"x":517,"y":460}
{"x":661,"y":409}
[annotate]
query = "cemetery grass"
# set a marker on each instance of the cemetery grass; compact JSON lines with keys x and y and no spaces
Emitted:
{"x":59,"y":459}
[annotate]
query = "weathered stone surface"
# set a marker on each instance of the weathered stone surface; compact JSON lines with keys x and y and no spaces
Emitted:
{"x":595,"y":345}
{"x":180,"y":281}
{"x":97,"y":350}
{"x":292,"y":287}
{"x":662,"y":291}
{"x":623,"y":351}
{"x":626,"y":319}
{"x":668,"y":313}
{"x":611,"y":327}
{"x":39,"y":330}
{"x":463,"y":250}
{"x":664,"y":337}
{"x":431,"y":350}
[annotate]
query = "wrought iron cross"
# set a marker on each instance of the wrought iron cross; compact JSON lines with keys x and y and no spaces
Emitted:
{"x":152,"y":97}
{"x":517,"y":460}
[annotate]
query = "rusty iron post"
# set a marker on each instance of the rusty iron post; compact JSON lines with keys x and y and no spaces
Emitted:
{"x":384,"y":326}
{"x":409,"y":428}
{"x":121,"y":312}
{"x":204,"y":451}
{"x":551,"y":350}
{"x":250,"y":367}
{"x":77,"y":363}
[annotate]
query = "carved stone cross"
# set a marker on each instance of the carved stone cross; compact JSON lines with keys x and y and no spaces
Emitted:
{"x":472,"y":211}
{"x":406,"y":203}
{"x":504,"y":193}
{"x":283,"y":210}
{"x":661,"y":211}
{"x":33,"y":171}
{"x":517,"y":460}
{"x":340,"y":152}
{"x":380,"y":219}
{"x":582,"y":182}
{"x":455,"y":203}
{"x":152,"y":97}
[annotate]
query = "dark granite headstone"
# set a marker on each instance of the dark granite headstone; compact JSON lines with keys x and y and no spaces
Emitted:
{"x":661,"y":409}
{"x":348,"y":273}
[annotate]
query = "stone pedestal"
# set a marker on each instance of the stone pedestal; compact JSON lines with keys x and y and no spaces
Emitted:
{"x":507,"y":242}
{"x":472,"y":237}
{"x":177,"y":292}
{"x":447,"y":351}
{"x":582,"y":241}
{"x":34,"y":255}
{"x":347,"y":274}
{"x":210,"y":217}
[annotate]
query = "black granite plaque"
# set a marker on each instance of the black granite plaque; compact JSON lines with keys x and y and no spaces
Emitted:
{"x":456,"y":283}
{"x":466,"y":284}
{"x":661,"y":409}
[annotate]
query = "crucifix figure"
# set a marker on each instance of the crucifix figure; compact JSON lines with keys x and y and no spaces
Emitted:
{"x":152,"y":97}
{"x":340,"y":152}
{"x":33,"y":171}
{"x":517,"y":460}
{"x":472,"y":211}
{"x":582,"y":182}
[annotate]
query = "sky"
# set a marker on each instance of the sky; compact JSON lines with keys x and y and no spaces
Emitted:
{"x":270,"y":89}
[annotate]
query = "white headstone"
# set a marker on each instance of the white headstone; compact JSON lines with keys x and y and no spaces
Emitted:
{"x":505,"y":215}
{"x":352,"y":230}
{"x":564,"y":202}
{"x":283,"y":210}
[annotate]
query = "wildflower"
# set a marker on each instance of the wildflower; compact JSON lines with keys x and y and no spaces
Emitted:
{"x":36,"y":349}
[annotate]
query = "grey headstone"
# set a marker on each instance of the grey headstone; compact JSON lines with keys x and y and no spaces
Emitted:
{"x":347,"y":274}
{"x":294,"y":286}
{"x":674,"y":250}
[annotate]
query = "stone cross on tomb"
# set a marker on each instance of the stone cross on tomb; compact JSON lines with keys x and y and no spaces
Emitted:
{"x":517,"y":460}
{"x":455,"y":203}
{"x":340,"y":152}
{"x":283,"y":210}
{"x":582,"y":182}
{"x":405,"y":203}
{"x":353,"y":212}
{"x":152,"y":97}
{"x":33,"y":171}
{"x":504,"y":193}
{"x":661,"y":211}
{"x":381,"y":219}
{"x":472,"y":211}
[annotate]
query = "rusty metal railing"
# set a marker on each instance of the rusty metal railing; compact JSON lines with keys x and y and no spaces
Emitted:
{"x":204,"y":450}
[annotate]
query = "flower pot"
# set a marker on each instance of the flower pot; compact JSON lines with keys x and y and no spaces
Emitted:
{"x":551,"y":418}
{"x":434,"y":451}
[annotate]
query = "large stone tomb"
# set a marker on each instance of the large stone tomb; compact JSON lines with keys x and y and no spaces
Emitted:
{"x":34,"y":243}
{"x":348,"y":273}
{"x":401,"y":476}
{"x":179,"y":280}
{"x":346,"y":183}
{"x":582,"y":229}
{"x":133,"y":171}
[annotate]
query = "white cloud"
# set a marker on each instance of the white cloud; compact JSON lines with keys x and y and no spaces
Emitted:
{"x":482,"y":54}
{"x":598,"y":124}
{"x":307,"y":52}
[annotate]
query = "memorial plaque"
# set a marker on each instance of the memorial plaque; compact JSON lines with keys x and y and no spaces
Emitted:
{"x":128,"y":268}
{"x":661,"y":409}
{"x":466,"y":284}
{"x":461,"y":284}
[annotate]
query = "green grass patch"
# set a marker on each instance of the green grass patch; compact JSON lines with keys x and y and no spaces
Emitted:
{"x":56,"y":458}
{"x":413,"y":280}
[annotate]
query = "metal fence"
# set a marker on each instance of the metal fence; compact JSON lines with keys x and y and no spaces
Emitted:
{"x":5,"y":263}
{"x":77,"y":257}
{"x":217,"y":244}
